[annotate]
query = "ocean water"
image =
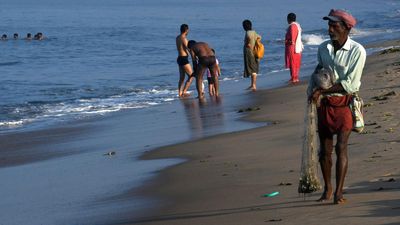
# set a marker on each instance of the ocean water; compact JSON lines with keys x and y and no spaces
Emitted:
{"x":101,"y":58}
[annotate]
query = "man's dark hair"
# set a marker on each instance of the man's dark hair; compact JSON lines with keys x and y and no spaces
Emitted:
{"x":345,"y":26}
{"x":246,"y":25}
{"x":291,"y":17}
{"x":191,"y":43}
{"x":184,"y":28}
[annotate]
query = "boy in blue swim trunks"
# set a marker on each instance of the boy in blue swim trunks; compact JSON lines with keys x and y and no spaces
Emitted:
{"x":183,"y":61}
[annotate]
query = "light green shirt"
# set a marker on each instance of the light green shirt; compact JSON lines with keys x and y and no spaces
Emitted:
{"x":251,"y":35}
{"x":347,"y":64}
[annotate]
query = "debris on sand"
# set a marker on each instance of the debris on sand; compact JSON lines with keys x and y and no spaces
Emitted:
{"x":391,"y":180}
{"x":390,"y":50}
{"x":249,"y":109}
{"x":384,"y":96}
{"x":111,"y":153}
{"x":368,"y":104}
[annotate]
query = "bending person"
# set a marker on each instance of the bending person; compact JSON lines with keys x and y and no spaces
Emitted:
{"x":206,"y":59}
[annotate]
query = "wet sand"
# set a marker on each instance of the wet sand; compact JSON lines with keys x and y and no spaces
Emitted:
{"x":33,"y":146}
{"x":226,"y":175}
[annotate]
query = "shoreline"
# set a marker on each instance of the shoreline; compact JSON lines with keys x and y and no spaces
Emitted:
{"x":69,"y":170}
{"x":233,"y":170}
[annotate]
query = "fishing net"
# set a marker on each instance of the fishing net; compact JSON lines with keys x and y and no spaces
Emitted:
{"x":309,"y":181}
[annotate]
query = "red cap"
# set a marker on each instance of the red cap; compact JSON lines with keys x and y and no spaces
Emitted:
{"x":341,"y":15}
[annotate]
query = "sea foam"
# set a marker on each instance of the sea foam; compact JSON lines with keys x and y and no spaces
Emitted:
{"x":313,"y":39}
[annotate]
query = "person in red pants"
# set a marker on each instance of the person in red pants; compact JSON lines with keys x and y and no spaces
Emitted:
{"x":293,"y":48}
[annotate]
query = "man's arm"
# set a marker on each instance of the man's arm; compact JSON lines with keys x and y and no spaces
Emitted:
{"x":292,"y":33}
{"x":194,"y":60}
{"x":247,"y":41}
{"x":311,"y":85}
{"x":185,"y":45}
{"x":311,"y":90}
{"x":336,"y":88}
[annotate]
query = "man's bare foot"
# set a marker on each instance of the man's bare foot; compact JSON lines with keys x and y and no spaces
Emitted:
{"x":201,"y":96}
{"x":251,"y":88}
{"x":326,"y":196}
{"x":184,"y":95}
{"x":293,"y":82}
{"x":339,"y":200}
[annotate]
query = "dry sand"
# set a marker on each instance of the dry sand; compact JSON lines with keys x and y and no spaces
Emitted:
{"x":225,"y":176}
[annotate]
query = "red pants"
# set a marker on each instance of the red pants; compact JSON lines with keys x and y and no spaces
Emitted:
{"x":293,"y":62}
{"x":334,"y":114}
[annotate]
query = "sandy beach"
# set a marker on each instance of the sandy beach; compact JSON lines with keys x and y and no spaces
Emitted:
{"x":225,"y":176}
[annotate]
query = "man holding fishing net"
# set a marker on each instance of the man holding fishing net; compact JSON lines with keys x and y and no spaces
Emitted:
{"x":345,"y":58}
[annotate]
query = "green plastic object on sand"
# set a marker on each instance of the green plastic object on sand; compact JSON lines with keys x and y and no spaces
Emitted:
{"x":271,"y":194}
